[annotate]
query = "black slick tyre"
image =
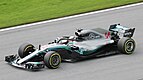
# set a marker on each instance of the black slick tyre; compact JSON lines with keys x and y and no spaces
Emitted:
{"x":25,"y":49}
{"x":126,"y":45}
{"x":52,"y":59}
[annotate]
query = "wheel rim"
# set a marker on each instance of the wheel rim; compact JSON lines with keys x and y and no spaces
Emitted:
{"x":55,"y":60}
{"x":130,"y":46}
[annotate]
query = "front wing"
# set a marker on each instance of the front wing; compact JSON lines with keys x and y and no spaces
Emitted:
{"x":13,"y":60}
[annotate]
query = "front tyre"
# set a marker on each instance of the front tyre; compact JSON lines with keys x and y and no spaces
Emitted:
{"x":126,"y":45}
{"x":25,"y":49}
{"x":52,"y":60}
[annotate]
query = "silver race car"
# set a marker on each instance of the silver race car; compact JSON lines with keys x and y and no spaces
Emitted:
{"x":85,"y":44}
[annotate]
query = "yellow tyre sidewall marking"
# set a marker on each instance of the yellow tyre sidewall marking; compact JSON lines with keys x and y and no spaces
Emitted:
{"x":27,"y":47}
{"x":51,"y":60}
{"x":126,"y":46}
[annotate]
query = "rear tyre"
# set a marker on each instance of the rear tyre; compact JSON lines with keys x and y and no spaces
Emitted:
{"x":52,"y":60}
{"x":126,"y":45}
{"x":25,"y":49}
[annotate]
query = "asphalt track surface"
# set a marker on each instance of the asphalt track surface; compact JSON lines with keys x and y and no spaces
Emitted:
{"x":117,"y":67}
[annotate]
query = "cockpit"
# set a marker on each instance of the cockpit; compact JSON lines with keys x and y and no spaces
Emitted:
{"x":80,"y":35}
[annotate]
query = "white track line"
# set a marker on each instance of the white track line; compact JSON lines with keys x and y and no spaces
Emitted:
{"x":100,"y":11}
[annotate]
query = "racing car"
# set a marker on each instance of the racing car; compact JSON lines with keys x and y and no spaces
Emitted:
{"x":86,"y":43}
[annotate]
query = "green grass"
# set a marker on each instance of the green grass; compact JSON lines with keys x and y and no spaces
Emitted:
{"x":17,"y":12}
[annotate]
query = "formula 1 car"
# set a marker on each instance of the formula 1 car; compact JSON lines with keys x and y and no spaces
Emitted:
{"x":85,"y":44}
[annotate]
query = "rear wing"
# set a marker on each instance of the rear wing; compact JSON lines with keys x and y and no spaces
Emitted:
{"x":127,"y":32}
